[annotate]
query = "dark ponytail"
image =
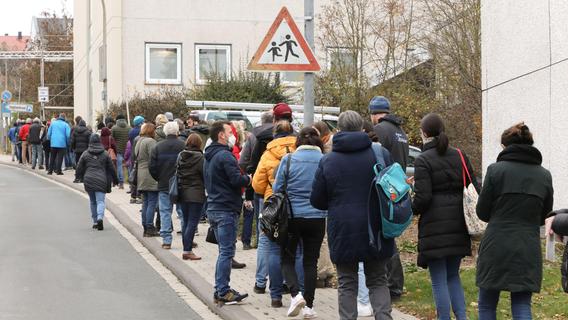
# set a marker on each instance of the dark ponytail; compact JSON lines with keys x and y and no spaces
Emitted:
{"x":433,"y":127}
{"x":517,"y":134}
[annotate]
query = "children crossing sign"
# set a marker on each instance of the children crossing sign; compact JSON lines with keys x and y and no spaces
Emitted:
{"x":284,"y":48}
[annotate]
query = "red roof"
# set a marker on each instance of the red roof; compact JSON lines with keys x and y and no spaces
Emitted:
{"x":12,"y":43}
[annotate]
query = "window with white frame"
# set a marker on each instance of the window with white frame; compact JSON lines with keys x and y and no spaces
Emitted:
{"x":343,"y":59}
{"x":163,"y":63}
{"x":212,"y":60}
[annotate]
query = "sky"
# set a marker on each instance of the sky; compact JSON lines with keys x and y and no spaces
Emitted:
{"x":17,"y":14}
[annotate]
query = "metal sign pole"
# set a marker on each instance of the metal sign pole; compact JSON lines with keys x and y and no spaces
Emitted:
{"x":309,"y":76}
{"x":42,"y":76}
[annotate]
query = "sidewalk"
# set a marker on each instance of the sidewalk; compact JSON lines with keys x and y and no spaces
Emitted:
{"x":198,"y":276}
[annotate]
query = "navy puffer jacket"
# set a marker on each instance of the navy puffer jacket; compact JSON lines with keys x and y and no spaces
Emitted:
{"x":341,"y":186}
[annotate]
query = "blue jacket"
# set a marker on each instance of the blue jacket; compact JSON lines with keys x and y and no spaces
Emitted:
{"x":303,"y":166}
{"x":59,"y":133}
{"x":223,"y":179}
{"x":133,"y":133}
{"x":341,"y":186}
{"x":12,"y":135}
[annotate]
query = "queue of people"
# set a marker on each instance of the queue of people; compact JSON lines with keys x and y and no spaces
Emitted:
{"x":221,"y":172}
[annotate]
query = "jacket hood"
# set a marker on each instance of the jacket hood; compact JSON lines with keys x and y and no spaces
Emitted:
{"x":190,"y":157}
{"x":521,"y":153}
{"x":350,"y":141}
{"x":278,"y":146}
{"x":81,"y":129}
{"x":203,"y":129}
{"x":105,"y":132}
{"x":121,"y":123}
{"x":213,"y":149}
{"x":95,"y":146}
{"x":266,"y":134}
{"x":392,"y":119}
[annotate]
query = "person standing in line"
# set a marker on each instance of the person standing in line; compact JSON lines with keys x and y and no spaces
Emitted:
{"x":108,"y":143}
{"x":96,"y":171}
{"x":13,"y":141}
{"x":147,"y":185}
{"x":120,"y":134}
{"x":388,"y":128}
{"x":137,"y":123}
{"x":58,"y":135}
{"x":80,"y":141}
{"x":341,"y":186}
{"x":34,"y":139}
{"x":443,"y":239}
{"x":46,"y":144}
{"x":23,"y":134}
{"x":162,"y":167}
{"x":224,"y":182}
{"x":516,"y":197}
{"x":160,"y":121}
{"x":192,"y":192}
{"x":307,"y":226}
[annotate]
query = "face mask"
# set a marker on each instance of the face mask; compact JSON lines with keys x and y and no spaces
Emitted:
{"x":231,"y":142}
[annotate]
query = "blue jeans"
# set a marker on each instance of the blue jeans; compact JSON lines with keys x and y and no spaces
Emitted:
{"x":262,"y":243}
{"x":165,"y":216}
{"x":273,"y":251}
{"x":97,"y":201}
{"x":225,"y":224}
{"x":363,"y":293}
{"x":179,"y":212}
{"x":37,"y":154}
{"x":191,"y":215}
{"x":520,"y":304}
{"x":447,"y":287}
{"x":248,"y":215}
{"x":119,"y":170}
{"x":150,"y":201}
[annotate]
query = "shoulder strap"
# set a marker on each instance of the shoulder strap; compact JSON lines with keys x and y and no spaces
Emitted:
{"x":464,"y":169}
{"x":378,"y":151}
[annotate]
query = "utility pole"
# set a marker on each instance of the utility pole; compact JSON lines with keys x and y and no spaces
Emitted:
{"x":103,"y":62}
{"x":42,"y":80}
{"x":309,"y":76}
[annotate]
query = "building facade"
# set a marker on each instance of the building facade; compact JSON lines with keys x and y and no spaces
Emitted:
{"x":525,"y":78}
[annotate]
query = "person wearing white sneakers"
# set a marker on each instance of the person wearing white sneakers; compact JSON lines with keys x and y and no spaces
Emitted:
{"x":364,"y":308}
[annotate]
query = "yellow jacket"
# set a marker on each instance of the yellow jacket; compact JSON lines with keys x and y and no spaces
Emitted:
{"x":265,"y":172}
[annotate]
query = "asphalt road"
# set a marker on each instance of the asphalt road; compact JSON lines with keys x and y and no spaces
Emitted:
{"x":54,"y":266}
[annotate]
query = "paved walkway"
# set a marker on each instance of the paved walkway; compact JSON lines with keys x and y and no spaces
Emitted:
{"x":199,"y":275}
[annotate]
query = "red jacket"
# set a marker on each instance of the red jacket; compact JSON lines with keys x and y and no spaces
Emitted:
{"x":24,"y":132}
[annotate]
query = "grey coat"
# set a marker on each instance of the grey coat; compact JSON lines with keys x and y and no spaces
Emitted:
{"x":142,"y":152}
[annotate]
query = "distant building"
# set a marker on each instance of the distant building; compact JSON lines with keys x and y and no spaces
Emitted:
{"x":14,"y":43}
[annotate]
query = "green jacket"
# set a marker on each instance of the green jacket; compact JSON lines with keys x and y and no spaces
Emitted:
{"x":120,"y":134}
{"x":517,"y":195}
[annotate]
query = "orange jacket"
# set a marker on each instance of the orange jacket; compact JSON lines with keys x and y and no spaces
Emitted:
{"x":265,"y":172}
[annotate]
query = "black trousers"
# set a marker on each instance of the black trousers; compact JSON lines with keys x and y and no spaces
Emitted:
{"x":56,"y":159}
{"x":310,"y":233}
{"x":395,"y":275}
{"x":77,"y":157}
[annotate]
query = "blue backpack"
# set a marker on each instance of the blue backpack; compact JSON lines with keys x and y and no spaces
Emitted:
{"x":394,"y":196}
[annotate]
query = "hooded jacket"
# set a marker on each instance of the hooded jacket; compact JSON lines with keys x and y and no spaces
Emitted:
{"x":34,"y":137}
{"x":120,"y":134}
{"x":190,"y":173}
{"x":393,"y":138}
{"x":80,"y":137}
{"x":341,"y":186}
{"x":142,"y":153}
{"x":96,"y":169}
{"x":163,"y":160}
{"x":223,"y":179}
{"x":59,"y":133}
{"x":24,"y":131}
{"x":107,"y":140}
{"x":517,"y":195}
{"x":133,"y":133}
{"x":263,"y":178}
{"x":261,"y":141}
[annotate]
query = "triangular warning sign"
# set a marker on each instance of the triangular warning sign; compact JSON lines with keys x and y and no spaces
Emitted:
{"x":284,"y":48}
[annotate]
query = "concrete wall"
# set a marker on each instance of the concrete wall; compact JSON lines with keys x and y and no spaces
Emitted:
{"x":525,"y":78}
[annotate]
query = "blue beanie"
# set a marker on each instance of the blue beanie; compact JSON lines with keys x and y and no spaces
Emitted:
{"x":379,"y":104}
{"x":138,"y":120}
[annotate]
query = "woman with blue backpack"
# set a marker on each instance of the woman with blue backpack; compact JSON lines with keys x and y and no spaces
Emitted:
{"x":443,"y":238}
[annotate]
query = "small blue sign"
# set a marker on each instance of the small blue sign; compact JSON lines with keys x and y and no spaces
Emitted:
{"x":6,"y":95}
{"x":5,"y":108}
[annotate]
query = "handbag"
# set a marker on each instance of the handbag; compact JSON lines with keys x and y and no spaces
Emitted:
{"x":173,"y":189}
{"x":475,"y":227}
{"x":211,"y":236}
{"x":111,"y":152}
{"x":276,"y":212}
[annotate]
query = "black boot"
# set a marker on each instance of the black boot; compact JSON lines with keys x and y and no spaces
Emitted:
{"x":100,"y":224}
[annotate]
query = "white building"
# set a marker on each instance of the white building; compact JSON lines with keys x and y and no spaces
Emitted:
{"x":525,"y":78}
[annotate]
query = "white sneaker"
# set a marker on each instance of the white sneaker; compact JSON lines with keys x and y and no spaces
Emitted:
{"x":296,"y":304}
{"x":309,"y":313}
{"x":364,"y":310}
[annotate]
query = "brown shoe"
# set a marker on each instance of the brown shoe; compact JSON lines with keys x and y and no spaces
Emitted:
{"x":166,"y":246}
{"x":190,"y":256}
{"x":276,"y":303}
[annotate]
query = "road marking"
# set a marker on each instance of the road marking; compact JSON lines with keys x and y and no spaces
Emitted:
{"x":180,"y":289}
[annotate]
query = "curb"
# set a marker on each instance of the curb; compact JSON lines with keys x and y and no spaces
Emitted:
{"x":192,"y":280}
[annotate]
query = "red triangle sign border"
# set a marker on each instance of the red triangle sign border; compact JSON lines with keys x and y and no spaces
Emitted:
{"x":313,"y":65}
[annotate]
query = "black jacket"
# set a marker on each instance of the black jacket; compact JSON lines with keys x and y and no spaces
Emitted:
{"x":190,"y":173}
{"x":263,"y":138}
{"x":517,"y":195}
{"x":341,"y":185}
{"x":163,"y":160}
{"x":438,"y":200}
{"x":393,"y":138}
{"x":223,"y":179}
{"x":96,"y":169}
{"x":80,"y":138}
{"x":34,"y":134}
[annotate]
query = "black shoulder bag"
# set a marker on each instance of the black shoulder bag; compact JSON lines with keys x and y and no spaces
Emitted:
{"x":276,"y":212}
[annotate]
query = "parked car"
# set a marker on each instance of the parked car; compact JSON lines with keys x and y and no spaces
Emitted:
{"x":228,"y":115}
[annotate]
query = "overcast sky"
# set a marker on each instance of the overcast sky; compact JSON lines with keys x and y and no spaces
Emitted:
{"x":17,"y":14}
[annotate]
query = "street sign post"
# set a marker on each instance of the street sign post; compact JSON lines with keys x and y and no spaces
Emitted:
{"x":6,"y":95}
{"x":284,"y":48}
{"x":21,"y":108}
{"x":43,"y":94}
